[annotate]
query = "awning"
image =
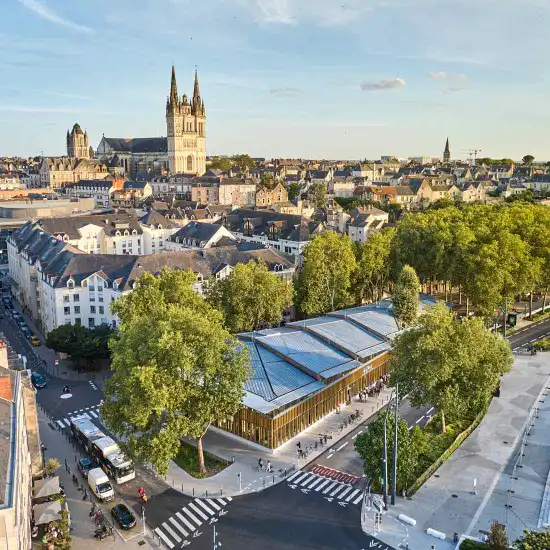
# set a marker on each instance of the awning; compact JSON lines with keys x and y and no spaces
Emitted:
{"x":46,"y":487}
{"x":47,"y":512}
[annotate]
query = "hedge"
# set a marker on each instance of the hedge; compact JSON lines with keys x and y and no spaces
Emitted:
{"x":444,"y":457}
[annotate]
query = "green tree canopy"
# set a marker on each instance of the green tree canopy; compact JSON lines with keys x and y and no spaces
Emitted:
{"x":373,"y":266}
{"x":176,"y":369}
{"x":318,"y":193}
{"x":405,"y":296}
{"x":370,"y":446}
{"x":243,"y":160}
{"x":534,"y":540}
{"x":220,"y":163}
{"x":293,"y":190}
{"x":528,"y":159}
{"x":81,"y":343}
{"x":452,"y":364}
{"x":324,"y":282}
{"x":250,"y":297}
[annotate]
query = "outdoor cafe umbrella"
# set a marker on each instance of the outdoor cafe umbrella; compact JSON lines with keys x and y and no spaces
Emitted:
{"x":46,"y":487}
{"x":47,"y":512}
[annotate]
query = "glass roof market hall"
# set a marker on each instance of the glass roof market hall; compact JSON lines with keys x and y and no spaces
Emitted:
{"x":305,"y":370}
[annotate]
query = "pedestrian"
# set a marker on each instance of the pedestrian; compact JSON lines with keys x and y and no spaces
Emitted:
{"x":268,"y":467}
{"x":260,"y":464}
{"x":299,"y":445}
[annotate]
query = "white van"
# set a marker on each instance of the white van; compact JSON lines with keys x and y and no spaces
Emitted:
{"x":100,"y":485}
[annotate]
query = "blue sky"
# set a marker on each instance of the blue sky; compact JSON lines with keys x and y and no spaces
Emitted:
{"x":310,"y":78}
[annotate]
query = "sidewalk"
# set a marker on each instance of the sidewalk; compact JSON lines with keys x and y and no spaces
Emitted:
{"x":242,"y":476}
{"x":82,"y":526}
{"x":449,"y":502}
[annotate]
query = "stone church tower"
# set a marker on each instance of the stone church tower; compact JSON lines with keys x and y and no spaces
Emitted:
{"x":186,"y":130}
{"x":447,"y":152}
{"x":77,"y":143}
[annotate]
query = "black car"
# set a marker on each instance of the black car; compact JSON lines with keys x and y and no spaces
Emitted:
{"x":85,"y":465}
{"x":38,"y":381}
{"x":123,"y":516}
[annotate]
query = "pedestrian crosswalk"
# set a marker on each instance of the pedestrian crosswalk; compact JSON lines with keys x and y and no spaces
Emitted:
{"x":185,"y":523}
{"x":91,"y":413}
{"x":327,"y":487}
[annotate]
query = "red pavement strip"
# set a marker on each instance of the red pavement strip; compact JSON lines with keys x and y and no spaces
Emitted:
{"x":335,"y":474}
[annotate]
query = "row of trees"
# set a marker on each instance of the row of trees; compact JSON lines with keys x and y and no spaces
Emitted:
{"x":84,"y":345}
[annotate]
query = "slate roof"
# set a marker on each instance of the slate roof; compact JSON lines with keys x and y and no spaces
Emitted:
{"x":290,"y":227}
{"x":125,"y":268}
{"x":138,"y":145}
{"x":154,"y":218}
{"x":201,"y":232}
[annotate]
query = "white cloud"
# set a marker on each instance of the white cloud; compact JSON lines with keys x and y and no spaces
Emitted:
{"x":49,"y":15}
{"x":438,"y":76}
{"x":391,"y":84}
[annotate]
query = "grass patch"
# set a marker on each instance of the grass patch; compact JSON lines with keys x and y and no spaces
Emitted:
{"x":542,"y":345}
{"x":188,"y":459}
{"x":540,"y":316}
{"x":468,"y":544}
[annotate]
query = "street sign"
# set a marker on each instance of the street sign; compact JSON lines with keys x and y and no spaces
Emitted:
{"x":376,"y":544}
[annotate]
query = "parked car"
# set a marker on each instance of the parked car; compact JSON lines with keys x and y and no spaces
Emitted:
{"x":16,"y":315}
{"x":123,"y":516}
{"x":22,"y":325}
{"x":38,"y":381}
{"x":34,"y":341}
{"x":85,"y":465}
{"x":26,"y":331}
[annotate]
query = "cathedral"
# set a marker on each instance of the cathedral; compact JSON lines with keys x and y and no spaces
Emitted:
{"x":77,"y":144}
{"x":183,"y":151}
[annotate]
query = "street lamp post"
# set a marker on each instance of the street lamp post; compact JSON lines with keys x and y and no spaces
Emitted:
{"x":394,"y":473}
{"x":385,"y":455}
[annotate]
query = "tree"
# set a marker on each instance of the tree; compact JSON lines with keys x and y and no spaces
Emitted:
{"x":528,"y":195}
{"x":243,"y":160}
{"x":528,"y":159}
{"x":405,"y":296}
{"x":324,"y":281}
{"x":533,"y":540}
{"x":293,"y":190}
{"x":250,"y":297}
{"x":81,"y":343}
{"x":370,"y":445}
{"x":497,"y":539}
{"x":220,"y":163}
{"x":452,"y":364}
{"x":177,"y":370}
{"x":373,"y":266}
{"x":50,"y":466}
{"x":318,"y":192}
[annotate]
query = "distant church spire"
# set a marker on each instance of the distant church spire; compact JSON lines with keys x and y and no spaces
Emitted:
{"x":173,"y":88}
{"x":447,"y":152}
{"x":196,"y":92}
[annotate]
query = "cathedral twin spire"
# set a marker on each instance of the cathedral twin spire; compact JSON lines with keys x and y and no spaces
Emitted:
{"x":197,"y":105}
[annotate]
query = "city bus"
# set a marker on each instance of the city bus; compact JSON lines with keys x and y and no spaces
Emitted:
{"x":103,"y":449}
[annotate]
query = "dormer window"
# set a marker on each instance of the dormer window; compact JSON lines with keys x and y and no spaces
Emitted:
{"x":66,"y":238}
{"x":84,"y":284}
{"x":117,"y":233}
{"x":134,"y":232}
{"x":199,"y":278}
{"x":115,"y":285}
{"x":126,"y":232}
{"x":70,"y":283}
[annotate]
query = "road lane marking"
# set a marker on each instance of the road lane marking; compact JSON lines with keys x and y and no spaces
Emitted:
{"x":315,"y":483}
{"x":428,"y":412}
{"x":322,"y":485}
{"x":200,"y":502}
{"x":303,"y":476}
{"x":342,"y":446}
{"x":330,"y":455}
{"x":330,"y":487}
{"x":358,"y":433}
{"x":420,"y":419}
{"x":166,"y":540}
{"x":294,"y":475}
{"x":179,"y":527}
{"x":344,"y":493}
{"x":190,"y":525}
{"x":197,"y":521}
{"x":353,"y":495}
{"x":411,"y":427}
{"x":198,"y":511}
{"x":338,"y":489}
{"x":171,"y":532}
{"x":60,"y":423}
{"x":212,"y":503}
{"x":358,"y":498}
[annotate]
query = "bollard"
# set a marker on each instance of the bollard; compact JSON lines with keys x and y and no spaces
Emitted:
{"x":173,"y":482}
{"x":285,"y":473}
{"x":221,"y":491}
{"x":193,"y":491}
{"x":75,"y":458}
{"x":182,"y":487}
{"x":273,"y":479}
{"x":206,"y":493}
{"x":264,"y":481}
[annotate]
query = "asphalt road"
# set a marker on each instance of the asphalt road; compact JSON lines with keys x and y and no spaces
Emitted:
{"x":525,"y":336}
